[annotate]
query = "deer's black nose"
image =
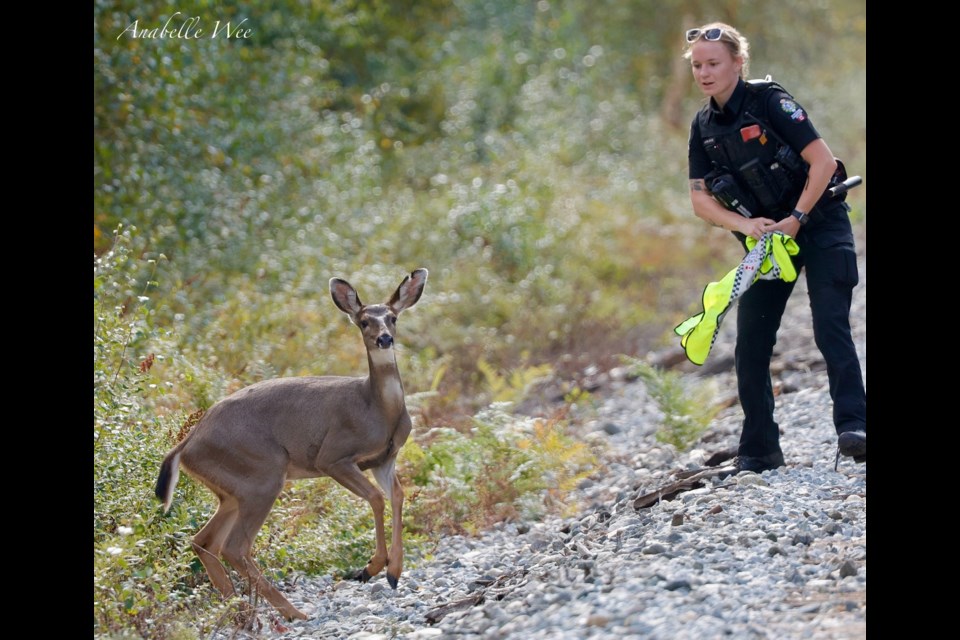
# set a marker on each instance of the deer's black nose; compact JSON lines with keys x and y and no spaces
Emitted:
{"x":385,"y":341}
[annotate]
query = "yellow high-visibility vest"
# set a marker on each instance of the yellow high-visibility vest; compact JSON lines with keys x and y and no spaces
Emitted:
{"x":768,"y":259}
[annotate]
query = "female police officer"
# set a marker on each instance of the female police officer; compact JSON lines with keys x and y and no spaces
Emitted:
{"x":746,"y":177}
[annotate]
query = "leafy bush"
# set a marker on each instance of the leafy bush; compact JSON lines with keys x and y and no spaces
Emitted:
{"x":513,"y":386}
{"x":136,"y":584}
{"x":504,"y":468}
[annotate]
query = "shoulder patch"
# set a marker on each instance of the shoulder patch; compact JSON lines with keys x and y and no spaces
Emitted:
{"x":789,"y":106}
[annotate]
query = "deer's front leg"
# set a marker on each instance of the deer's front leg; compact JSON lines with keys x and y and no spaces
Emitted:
{"x":395,"y":565}
{"x":350,"y":476}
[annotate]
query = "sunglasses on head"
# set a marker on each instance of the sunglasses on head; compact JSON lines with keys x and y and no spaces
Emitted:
{"x":711,"y":35}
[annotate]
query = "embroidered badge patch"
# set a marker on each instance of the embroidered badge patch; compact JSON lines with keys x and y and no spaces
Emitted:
{"x":791,"y":107}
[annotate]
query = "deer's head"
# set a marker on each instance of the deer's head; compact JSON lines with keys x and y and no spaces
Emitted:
{"x":378,"y":322}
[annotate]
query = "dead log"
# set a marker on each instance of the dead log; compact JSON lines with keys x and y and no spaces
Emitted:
{"x":687,"y":480}
{"x":478,"y":597}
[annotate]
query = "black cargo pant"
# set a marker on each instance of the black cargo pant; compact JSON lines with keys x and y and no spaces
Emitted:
{"x":828,"y":259}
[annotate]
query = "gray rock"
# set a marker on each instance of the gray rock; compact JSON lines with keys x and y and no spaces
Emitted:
{"x":802,"y":538}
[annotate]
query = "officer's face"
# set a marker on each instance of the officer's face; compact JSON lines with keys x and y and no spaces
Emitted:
{"x":715,"y":69}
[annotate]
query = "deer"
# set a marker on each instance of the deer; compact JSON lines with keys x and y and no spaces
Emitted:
{"x":249,"y":444}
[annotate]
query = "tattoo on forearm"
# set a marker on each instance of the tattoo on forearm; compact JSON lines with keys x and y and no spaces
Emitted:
{"x":697,"y":185}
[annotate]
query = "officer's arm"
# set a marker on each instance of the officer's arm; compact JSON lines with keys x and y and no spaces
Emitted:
{"x":790,"y":121}
{"x":822,"y":166}
{"x":716,"y":214}
{"x":704,"y":205}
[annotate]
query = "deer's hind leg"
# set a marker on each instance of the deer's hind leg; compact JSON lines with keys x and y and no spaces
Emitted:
{"x":253,"y":509}
{"x":209,"y":541}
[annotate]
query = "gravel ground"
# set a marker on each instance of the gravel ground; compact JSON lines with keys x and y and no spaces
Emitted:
{"x":776,"y":555}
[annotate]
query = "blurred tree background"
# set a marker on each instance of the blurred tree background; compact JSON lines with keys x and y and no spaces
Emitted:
{"x":531,"y":154}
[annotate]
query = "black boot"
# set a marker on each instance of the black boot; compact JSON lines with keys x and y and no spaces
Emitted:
{"x":852,"y":444}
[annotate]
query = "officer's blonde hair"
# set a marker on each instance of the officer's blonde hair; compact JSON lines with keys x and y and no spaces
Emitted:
{"x":735,"y":43}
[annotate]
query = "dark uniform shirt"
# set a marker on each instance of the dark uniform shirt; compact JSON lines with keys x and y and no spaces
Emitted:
{"x":785,"y":116}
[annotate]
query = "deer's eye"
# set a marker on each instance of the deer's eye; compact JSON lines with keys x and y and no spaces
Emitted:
{"x":392,"y":319}
{"x":364,"y":324}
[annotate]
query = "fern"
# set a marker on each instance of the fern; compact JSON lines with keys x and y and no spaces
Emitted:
{"x":688,"y":406}
{"x":515,"y":385}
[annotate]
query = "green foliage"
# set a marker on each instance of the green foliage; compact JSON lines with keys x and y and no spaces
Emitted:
{"x":136,"y":585}
{"x":513,"y":386}
{"x":527,"y":153}
{"x":688,"y":405}
{"x":504,"y":468}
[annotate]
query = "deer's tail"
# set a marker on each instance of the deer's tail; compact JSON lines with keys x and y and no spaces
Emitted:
{"x":167,"y":480}
{"x":170,"y":467}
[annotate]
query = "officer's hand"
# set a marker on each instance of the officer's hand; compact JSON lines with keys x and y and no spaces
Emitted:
{"x":789,"y":226}
{"x":756,"y":227}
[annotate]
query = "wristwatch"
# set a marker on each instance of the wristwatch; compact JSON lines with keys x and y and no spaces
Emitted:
{"x":801,"y":217}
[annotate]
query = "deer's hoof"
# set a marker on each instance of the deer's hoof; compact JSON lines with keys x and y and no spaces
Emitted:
{"x":362,"y":575}
{"x":392,"y":581}
{"x":246,"y":616}
{"x":294,"y":614}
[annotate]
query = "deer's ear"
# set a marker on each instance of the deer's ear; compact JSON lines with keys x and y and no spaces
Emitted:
{"x":345,"y":297}
{"x":409,"y":291}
